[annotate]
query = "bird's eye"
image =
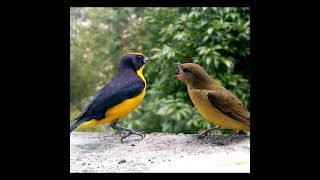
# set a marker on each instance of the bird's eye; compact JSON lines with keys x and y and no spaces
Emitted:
{"x":185,"y":70}
{"x":139,"y":57}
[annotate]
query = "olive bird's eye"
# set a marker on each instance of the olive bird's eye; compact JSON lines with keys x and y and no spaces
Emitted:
{"x":185,"y":70}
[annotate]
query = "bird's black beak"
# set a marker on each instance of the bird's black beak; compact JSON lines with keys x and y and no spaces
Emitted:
{"x":146,"y":60}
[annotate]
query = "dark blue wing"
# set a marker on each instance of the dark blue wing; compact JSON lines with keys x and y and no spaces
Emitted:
{"x":112,"y":94}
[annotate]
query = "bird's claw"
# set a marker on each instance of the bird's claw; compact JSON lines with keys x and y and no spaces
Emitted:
{"x":205,"y":133}
{"x":202,"y":135}
{"x":120,"y":132}
{"x":142,"y":134}
{"x":125,"y":136}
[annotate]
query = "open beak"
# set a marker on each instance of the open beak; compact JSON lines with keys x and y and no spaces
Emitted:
{"x":178,"y":67}
{"x":146,"y":60}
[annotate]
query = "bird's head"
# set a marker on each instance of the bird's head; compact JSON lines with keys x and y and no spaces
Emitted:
{"x":192,"y":74}
{"x":135,"y":61}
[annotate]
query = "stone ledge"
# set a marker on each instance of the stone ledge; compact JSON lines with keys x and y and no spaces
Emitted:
{"x":158,"y":152}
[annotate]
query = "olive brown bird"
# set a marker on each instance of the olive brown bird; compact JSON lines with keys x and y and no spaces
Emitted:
{"x":118,"y":98}
{"x":213,"y":101}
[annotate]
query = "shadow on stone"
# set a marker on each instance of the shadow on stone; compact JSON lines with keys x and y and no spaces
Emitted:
{"x":221,"y":140}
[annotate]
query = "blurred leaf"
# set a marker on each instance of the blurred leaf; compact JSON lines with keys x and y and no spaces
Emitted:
{"x":209,"y":31}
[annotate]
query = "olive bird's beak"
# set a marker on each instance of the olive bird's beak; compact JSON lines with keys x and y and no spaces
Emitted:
{"x":146,"y":60}
{"x":178,"y":67}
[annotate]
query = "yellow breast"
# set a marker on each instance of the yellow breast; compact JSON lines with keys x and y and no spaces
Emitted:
{"x":211,"y":114}
{"x":120,"y":110}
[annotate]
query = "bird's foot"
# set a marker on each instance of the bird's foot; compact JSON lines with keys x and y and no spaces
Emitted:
{"x":229,"y":137}
{"x":205,"y":133}
{"x":121,"y":132}
{"x":202,"y":135}
{"x":126,"y":132}
{"x":236,"y":132}
{"x":129,"y":133}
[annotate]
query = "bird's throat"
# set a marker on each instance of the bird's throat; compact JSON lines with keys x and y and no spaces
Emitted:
{"x":139,"y":73}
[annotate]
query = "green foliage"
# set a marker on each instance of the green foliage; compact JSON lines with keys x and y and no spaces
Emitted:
{"x":216,"y":38}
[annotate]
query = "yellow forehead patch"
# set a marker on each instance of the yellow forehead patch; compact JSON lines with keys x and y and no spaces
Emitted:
{"x":137,"y":53}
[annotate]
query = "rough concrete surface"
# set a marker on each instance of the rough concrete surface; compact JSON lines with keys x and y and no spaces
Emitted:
{"x":158,"y":152}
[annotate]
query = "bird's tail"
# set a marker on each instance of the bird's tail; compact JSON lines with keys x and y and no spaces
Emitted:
{"x":74,"y":125}
{"x":77,"y":122}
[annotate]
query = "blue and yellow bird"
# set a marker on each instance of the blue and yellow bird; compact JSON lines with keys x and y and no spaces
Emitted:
{"x":118,"y":98}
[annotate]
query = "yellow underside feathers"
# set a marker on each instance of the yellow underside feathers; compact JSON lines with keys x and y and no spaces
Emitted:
{"x":120,"y":110}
